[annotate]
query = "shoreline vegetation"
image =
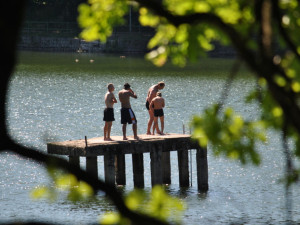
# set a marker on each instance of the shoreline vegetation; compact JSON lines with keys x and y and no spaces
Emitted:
{"x":125,"y":42}
{"x":104,"y":63}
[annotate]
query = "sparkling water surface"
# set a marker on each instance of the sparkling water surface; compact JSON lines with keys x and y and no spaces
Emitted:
{"x":54,"y":98}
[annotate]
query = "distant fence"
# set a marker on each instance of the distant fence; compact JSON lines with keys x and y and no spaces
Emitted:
{"x":69,"y":29}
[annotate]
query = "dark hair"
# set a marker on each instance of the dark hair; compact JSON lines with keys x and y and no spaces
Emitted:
{"x":126,"y":86}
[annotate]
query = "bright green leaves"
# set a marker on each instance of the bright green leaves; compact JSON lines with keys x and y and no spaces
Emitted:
{"x":178,"y":43}
{"x":229,"y":134}
{"x":77,"y":190}
{"x":157,"y":204}
{"x":181,"y":42}
{"x":43,"y":192}
{"x":189,"y":41}
{"x":147,"y":18}
{"x":180,"y":7}
{"x":99,"y":17}
{"x":163,"y":206}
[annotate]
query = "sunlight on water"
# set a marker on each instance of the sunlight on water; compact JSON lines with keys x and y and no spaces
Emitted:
{"x":54,"y":98}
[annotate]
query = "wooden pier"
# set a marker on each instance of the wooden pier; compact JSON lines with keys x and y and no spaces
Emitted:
{"x":159,"y":147}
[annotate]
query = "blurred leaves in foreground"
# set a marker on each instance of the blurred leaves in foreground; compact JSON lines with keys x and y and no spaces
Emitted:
{"x":157,"y":204}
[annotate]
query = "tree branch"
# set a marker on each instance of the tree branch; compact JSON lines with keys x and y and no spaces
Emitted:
{"x":282,"y":31}
{"x":96,"y":184}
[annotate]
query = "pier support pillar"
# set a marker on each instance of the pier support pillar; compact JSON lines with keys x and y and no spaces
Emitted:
{"x":109,"y":168}
{"x":156,"y":167}
{"x":92,"y":166}
{"x":202,"y":169}
{"x":183,"y":167}
{"x":166,"y":168}
{"x":74,"y":160}
{"x":120,"y":170}
{"x":138,"y":170}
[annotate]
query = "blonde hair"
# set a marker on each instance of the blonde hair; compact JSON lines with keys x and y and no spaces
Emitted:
{"x":161,"y":84}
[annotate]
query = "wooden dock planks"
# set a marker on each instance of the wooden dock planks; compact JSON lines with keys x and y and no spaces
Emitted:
{"x":159,"y":147}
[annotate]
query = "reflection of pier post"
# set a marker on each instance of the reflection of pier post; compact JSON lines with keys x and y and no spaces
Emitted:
{"x":114,"y":158}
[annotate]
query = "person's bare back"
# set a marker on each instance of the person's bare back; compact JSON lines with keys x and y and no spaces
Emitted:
{"x":124,"y":96}
{"x":158,"y":103}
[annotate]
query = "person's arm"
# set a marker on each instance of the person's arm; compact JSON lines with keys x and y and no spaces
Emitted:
{"x":151,"y":106}
{"x":114,"y":100}
{"x":132,"y":93}
{"x":163,"y":103}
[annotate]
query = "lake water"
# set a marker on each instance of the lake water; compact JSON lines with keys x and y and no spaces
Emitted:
{"x":59,"y":96}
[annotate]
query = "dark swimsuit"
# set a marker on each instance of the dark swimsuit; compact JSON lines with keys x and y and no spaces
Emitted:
{"x":147,"y":105}
{"x":128,"y":116}
{"x":158,"y":112}
{"x":109,"y":115}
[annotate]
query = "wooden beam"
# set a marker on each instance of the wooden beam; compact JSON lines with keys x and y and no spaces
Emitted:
{"x":120,"y":170}
{"x":183,"y":167}
{"x":74,"y":160}
{"x":202,"y":169}
{"x":109,"y":168}
{"x":156,"y":167}
{"x":166,"y":168}
{"x":138,"y":170}
{"x":92,"y":166}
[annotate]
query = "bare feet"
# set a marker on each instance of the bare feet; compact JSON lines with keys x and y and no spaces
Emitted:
{"x":137,"y":138}
{"x":148,"y":133}
{"x":125,"y":138}
{"x":108,"y":139}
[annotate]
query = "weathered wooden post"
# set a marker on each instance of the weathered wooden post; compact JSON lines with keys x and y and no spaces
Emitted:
{"x":202,"y":169}
{"x":156,"y":167}
{"x":74,"y":160}
{"x":183,"y":167}
{"x":92,"y":165}
{"x":166,"y":168}
{"x":109,"y":168}
{"x":159,"y":148}
{"x":91,"y":162}
{"x":120,"y":169}
{"x":138,"y":170}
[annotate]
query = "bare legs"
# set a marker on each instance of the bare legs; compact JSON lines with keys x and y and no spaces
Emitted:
{"x":150,"y":121}
{"x":162,"y":123}
{"x":134,"y":128}
{"x":107,"y":129}
{"x":155,"y":125}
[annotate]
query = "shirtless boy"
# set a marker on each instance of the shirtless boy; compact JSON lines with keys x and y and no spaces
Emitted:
{"x":127,"y":115}
{"x":152,"y":94}
{"x":110,"y":100}
{"x":158,"y":103}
